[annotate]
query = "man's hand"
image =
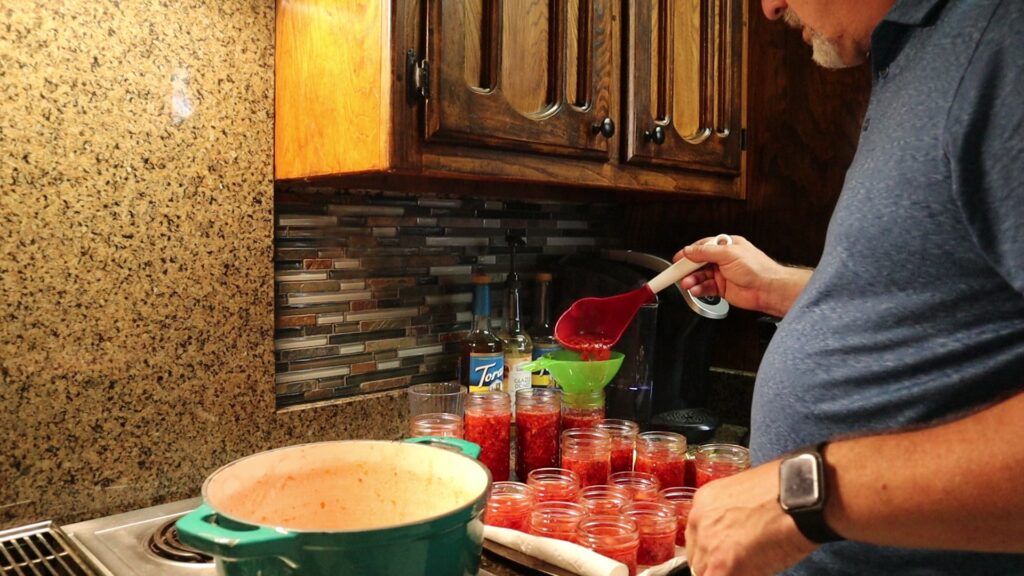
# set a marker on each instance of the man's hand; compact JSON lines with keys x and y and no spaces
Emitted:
{"x":743,"y":275}
{"x":737,"y":527}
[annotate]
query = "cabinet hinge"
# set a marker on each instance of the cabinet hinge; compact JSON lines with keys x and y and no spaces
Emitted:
{"x":417,"y":77}
{"x":743,"y":138}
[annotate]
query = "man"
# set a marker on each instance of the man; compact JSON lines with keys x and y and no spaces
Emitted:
{"x":890,"y":399}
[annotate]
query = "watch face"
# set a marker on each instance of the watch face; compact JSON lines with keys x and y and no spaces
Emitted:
{"x":798,"y":482}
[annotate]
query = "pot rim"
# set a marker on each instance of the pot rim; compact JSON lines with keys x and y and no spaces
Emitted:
{"x":475,"y":501}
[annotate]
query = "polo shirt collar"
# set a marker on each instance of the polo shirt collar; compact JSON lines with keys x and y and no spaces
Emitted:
{"x":913,"y":12}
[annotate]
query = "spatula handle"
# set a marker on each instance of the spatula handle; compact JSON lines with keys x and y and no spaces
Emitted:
{"x":682,"y":268}
{"x":673,"y":274}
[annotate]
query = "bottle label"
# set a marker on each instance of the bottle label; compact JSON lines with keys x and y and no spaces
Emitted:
{"x":542,"y":378}
{"x":485,"y":371}
{"x":515,"y":377}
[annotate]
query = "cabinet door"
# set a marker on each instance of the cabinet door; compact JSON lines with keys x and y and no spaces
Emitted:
{"x":684,"y":84}
{"x":530,"y":75}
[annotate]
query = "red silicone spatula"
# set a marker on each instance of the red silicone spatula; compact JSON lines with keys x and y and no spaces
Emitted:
{"x":591,"y":326}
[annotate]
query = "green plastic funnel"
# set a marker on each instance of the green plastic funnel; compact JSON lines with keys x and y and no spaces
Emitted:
{"x":575,"y":375}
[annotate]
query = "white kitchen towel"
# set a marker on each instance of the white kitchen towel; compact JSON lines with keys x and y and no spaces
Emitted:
{"x":573,"y":557}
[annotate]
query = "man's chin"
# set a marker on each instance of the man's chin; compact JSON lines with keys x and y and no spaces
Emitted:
{"x":826,"y":55}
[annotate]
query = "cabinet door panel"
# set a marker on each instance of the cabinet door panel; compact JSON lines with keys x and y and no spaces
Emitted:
{"x":683,"y":90}
{"x":532,"y":75}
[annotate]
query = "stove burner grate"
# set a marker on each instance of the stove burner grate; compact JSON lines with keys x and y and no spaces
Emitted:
{"x":164,"y":542}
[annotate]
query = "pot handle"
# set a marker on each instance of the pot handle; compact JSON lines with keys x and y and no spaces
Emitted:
{"x":199,"y":528}
{"x":466,"y":447}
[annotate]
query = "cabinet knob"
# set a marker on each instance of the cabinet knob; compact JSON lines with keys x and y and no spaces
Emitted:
{"x":657,"y":135}
{"x":605,"y":128}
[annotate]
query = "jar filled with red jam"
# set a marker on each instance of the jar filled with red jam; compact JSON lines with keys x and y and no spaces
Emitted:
{"x":623,"y":433}
{"x":554,"y":484}
{"x":538,"y":413}
{"x":691,"y":467}
{"x":439,"y":424}
{"x":664,"y":455}
{"x":716,"y":461}
{"x":582,"y":409}
{"x":509,"y":506}
{"x":682,"y":500}
{"x":657,"y":522}
{"x":604,"y":498}
{"x":588,"y":453}
{"x":615,"y":537}
{"x":488,"y":423}
{"x":642,"y":486}
{"x":556,"y":520}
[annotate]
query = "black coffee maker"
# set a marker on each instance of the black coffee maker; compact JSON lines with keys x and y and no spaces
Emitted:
{"x":664,"y":380}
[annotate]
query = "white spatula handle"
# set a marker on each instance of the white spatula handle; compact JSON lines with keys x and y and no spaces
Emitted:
{"x":682,"y":268}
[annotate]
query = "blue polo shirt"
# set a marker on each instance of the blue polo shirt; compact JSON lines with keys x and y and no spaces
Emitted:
{"x":915,"y":314}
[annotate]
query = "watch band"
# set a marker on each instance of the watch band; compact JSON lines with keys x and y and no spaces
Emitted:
{"x":811,"y":520}
{"x":811,"y":523}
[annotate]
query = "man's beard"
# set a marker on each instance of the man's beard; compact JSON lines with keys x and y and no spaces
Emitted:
{"x":824,"y":52}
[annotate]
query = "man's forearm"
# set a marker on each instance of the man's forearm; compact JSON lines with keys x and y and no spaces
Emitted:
{"x":957,"y":485}
{"x":784,"y":288}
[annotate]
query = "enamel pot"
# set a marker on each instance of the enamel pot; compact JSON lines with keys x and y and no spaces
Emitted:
{"x":344,"y":508}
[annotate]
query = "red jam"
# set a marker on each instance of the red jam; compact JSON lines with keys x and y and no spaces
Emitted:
{"x":612,"y":536}
{"x":586,"y":418}
{"x":691,"y":471}
{"x":556,"y":520}
{"x":622,"y":457}
{"x":536,"y":438}
{"x":670,"y":473}
{"x":657,"y":522}
{"x":682,"y":500}
{"x":589,"y":347}
{"x":592,"y":469}
{"x":656,"y":548}
{"x":509,"y":506}
{"x":716,"y":470}
{"x":491,"y":432}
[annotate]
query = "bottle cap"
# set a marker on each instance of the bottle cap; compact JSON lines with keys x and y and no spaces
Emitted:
{"x":543,"y":276}
{"x":481,"y":279}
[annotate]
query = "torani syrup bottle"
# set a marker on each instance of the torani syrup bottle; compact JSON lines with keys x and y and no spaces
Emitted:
{"x":481,"y":358}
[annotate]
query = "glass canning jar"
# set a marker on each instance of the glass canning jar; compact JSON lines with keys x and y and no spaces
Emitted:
{"x":537,"y":425}
{"x":716,"y":461}
{"x":556,"y":520}
{"x":509,"y":505}
{"x":642,"y":486}
{"x":582,"y":409}
{"x":604,"y":498}
{"x":681,"y":498}
{"x":658,"y":524}
{"x":588,"y":453}
{"x":624,"y":433}
{"x":439,"y":424}
{"x":613,"y":536}
{"x":488,"y":423}
{"x":554,"y":484}
{"x":664,"y":455}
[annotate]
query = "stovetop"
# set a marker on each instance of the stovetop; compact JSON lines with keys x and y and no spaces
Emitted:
{"x":141,"y":542}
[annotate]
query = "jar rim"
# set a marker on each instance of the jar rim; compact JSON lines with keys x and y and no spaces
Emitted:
{"x":619,"y":428}
{"x":724,"y":453}
{"x":628,"y":531}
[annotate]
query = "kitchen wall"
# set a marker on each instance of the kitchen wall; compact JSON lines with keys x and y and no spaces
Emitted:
{"x":373,"y":287}
{"x":136,"y":199}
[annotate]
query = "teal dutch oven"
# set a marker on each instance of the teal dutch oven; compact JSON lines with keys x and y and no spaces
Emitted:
{"x":345,"y":508}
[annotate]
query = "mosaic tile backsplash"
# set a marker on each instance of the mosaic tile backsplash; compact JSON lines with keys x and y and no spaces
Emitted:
{"x":373,"y":288}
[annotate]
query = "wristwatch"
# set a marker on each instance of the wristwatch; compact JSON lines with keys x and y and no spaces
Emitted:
{"x":803,"y":493}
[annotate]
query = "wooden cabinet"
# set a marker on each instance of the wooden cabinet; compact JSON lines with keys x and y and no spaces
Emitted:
{"x":643,"y":95}
{"x":683,"y":84}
